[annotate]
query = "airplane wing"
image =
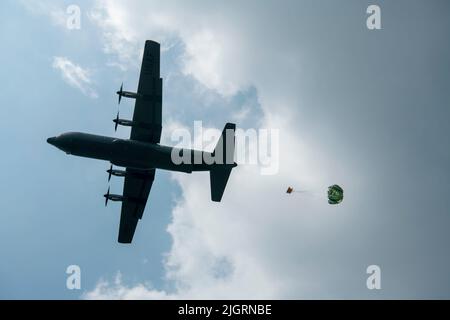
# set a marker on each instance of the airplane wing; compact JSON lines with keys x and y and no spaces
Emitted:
{"x":148,"y":107}
{"x":147,"y":128}
{"x":135,"y":193}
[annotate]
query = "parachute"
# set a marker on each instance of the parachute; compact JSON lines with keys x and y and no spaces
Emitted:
{"x":335,"y":194}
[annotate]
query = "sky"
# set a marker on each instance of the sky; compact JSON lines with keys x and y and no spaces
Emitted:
{"x":366,"y":109}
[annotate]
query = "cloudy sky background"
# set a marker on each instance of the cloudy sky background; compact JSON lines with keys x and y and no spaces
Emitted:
{"x":365,"y":109}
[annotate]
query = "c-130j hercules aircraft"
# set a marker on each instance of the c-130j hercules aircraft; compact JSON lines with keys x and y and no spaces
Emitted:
{"x":142,"y":153}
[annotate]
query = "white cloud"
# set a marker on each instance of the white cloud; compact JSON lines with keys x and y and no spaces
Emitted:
{"x":56,"y":13}
{"x":75,"y":75}
{"x":258,"y":242}
{"x":207,"y":54}
{"x":122,"y":36}
{"x":118,"y":290}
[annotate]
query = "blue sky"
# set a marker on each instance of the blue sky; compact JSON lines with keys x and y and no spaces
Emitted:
{"x":365,"y":109}
{"x":54,"y":212}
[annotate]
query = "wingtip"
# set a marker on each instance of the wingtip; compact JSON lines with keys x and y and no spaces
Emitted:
{"x":151,"y":42}
{"x":124,"y":241}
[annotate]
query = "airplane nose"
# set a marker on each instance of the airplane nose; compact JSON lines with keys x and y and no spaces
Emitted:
{"x":51,"y":140}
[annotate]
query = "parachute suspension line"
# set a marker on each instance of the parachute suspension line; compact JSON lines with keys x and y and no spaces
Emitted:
{"x":335,"y":193}
{"x":291,"y":190}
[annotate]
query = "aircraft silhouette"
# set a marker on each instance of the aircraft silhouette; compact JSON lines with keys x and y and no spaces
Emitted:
{"x":142,"y":154}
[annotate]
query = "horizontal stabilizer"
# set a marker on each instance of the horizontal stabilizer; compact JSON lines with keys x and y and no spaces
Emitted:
{"x":224,"y":153}
{"x":219,"y":178}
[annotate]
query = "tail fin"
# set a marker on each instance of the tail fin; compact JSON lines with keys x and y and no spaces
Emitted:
{"x":224,"y":156}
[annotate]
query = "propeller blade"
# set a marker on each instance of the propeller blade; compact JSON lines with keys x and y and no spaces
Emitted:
{"x":107,"y":197}
{"x":117,"y":121}
{"x":120,"y":92}
{"x":110,"y":173}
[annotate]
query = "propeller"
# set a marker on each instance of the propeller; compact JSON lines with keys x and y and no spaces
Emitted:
{"x":110,"y":173}
{"x":106,"y":197}
{"x":116,"y":121}
{"x":120,"y":92}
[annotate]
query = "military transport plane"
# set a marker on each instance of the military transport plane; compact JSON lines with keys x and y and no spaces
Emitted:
{"x":142,"y":154}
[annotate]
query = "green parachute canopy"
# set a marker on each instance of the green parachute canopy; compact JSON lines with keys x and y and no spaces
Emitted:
{"x":335,"y":194}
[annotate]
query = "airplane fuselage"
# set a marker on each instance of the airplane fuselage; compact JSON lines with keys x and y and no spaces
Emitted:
{"x":129,"y":153}
{"x":142,"y":153}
